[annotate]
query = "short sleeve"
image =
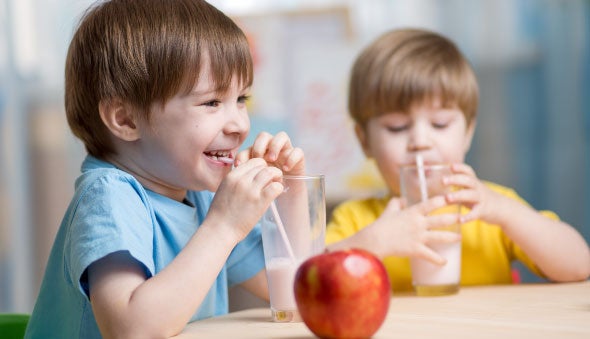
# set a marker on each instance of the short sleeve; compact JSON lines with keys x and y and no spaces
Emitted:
{"x":247,"y":258}
{"x":352,"y":216}
{"x":341,"y":225}
{"x":110,"y":216}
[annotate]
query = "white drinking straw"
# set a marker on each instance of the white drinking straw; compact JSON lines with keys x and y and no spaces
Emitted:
{"x":275,"y":212}
{"x":226,"y":160}
{"x":421,"y":177}
{"x":281,"y":227}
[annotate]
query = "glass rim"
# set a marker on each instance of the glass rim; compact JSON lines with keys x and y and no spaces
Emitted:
{"x":306,"y":176}
{"x":426,"y":166}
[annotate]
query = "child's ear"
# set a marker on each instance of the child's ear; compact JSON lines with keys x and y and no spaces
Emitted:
{"x":362,"y":137}
{"x":119,"y":118}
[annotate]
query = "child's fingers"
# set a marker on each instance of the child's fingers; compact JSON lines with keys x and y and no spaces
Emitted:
{"x":251,"y":169}
{"x":460,"y":180}
{"x":267,"y":182}
{"x":294,"y":157}
{"x":463,"y":168}
{"x":472,"y":215}
{"x":431,"y":204}
{"x":272,"y":190}
{"x":427,"y":253}
{"x":260,"y":147}
{"x":394,"y":205}
{"x":446,"y":237}
{"x":254,"y":177}
{"x":266,"y":146}
{"x":265,"y":175}
{"x":278,"y":144}
{"x":247,"y":165}
{"x":242,"y":157}
{"x":276,"y":150}
{"x":442,"y":220}
{"x":468,"y":197}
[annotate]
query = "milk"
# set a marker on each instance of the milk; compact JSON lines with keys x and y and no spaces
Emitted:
{"x":432,"y":279}
{"x":280,"y":273}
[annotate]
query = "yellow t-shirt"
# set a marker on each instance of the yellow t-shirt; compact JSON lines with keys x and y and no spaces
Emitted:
{"x":486,"y":251}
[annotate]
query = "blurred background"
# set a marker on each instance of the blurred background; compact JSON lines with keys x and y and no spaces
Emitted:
{"x":532,"y":58}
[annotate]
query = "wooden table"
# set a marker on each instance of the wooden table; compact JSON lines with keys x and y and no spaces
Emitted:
{"x":513,"y":311}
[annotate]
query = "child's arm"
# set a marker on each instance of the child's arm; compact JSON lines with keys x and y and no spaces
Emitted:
{"x":257,"y":285}
{"x":404,"y":233}
{"x":279,"y":152}
{"x":556,"y":247}
{"x":126,"y":305}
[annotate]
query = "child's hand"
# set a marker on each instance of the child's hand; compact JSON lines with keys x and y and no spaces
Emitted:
{"x":244,"y":195}
{"x":277,"y":151}
{"x":407,"y":232}
{"x":247,"y":191}
{"x":484,"y":203}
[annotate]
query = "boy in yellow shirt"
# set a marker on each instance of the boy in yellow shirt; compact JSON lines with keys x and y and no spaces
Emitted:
{"x":413,"y":92}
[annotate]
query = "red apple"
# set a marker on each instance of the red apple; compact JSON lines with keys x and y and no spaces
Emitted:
{"x":342,"y":294}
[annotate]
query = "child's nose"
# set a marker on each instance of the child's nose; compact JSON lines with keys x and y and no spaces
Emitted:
{"x":418,"y":138}
{"x":238,"y":121}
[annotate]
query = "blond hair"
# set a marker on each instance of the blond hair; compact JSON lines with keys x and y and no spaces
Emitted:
{"x":406,"y":67}
{"x":143,"y":52}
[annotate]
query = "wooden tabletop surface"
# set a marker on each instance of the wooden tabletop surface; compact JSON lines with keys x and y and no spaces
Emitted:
{"x":509,"y":311}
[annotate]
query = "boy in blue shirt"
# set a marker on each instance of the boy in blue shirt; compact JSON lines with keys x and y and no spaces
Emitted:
{"x":156,"y":90}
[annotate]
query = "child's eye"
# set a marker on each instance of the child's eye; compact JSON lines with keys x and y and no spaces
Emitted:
{"x":243,"y":98}
{"x":437,"y":125}
{"x":397,"y":129}
{"x":212,"y":103}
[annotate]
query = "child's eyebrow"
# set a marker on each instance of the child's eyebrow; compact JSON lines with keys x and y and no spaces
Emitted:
{"x":206,"y":92}
{"x":198,"y":93}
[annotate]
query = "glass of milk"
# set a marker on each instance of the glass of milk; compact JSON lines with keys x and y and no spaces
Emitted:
{"x":417,"y":183}
{"x":293,"y":229}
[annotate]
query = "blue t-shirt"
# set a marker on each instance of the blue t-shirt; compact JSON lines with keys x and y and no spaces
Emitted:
{"x":112,"y":212}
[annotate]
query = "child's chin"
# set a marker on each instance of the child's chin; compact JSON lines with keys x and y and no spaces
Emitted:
{"x":214,"y":186}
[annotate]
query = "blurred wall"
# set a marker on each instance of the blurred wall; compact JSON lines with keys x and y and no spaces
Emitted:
{"x":531,"y":57}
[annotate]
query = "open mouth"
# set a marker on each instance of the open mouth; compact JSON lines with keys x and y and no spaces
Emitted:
{"x":222,"y":156}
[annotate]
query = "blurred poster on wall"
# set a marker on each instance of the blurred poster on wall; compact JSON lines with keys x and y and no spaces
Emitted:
{"x":302,"y":63}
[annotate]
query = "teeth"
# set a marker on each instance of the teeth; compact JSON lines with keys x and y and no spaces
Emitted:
{"x":218,"y":154}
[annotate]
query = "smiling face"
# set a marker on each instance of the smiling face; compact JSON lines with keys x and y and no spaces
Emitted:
{"x":178,"y":149}
{"x":394,"y":139}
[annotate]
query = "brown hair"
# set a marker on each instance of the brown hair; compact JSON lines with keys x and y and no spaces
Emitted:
{"x":409,"y":66}
{"x":143,"y":52}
